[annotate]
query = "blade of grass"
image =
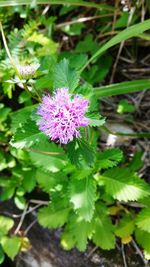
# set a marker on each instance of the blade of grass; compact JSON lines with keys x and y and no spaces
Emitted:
{"x":4,"y":3}
{"x":122,"y":88}
{"x":133,"y":135}
{"x":130,"y":32}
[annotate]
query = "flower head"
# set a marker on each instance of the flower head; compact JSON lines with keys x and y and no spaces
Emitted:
{"x":62,"y":114}
{"x":28,"y":71}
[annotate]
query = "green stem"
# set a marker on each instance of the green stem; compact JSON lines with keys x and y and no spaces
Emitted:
{"x":8,"y":52}
{"x":122,"y":88}
{"x":137,"y":135}
{"x":56,"y":2}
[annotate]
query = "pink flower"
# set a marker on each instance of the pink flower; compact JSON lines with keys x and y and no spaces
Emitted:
{"x":62,"y":114}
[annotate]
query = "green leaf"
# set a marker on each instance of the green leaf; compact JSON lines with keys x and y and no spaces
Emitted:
{"x":5,"y":224}
{"x":80,"y":152}
{"x":122,"y":88}
{"x":48,"y":181}
{"x":76,"y":234}
{"x":76,"y":61}
{"x":4,"y":112}
{"x":124,"y":106}
{"x":109,"y":158}
{"x":103,"y":229}
{"x":45,"y":180}
{"x":136,"y":163}
{"x":129,"y":32}
{"x":75,"y":29}
{"x":2,"y":255}
{"x":123,"y":185}
{"x":29,"y":180}
{"x":86,"y":151}
{"x":125,"y":227}
{"x":49,"y":46}
{"x":53,"y":216}
{"x":20,"y":202}
{"x":143,"y":219}
{"x":96,"y":120}
{"x":21,"y":116}
{"x":3,"y":163}
{"x":143,"y":238}
{"x":48,"y":156}
{"x":64,"y":76}
{"x":6,"y":3}
{"x":27,"y":135}
{"x":87,"y":45}
{"x":83,"y":196}
{"x":11,"y":246}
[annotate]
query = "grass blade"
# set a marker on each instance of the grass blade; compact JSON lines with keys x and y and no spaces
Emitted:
{"x":122,"y":88}
{"x":130,"y":32}
{"x":5,"y":3}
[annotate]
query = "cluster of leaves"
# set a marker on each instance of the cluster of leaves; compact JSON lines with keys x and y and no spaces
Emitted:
{"x":88,"y":189}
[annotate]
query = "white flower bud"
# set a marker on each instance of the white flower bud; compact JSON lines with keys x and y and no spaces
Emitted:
{"x":28,"y":71}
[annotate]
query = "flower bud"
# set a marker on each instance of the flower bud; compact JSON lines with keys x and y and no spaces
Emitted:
{"x":27,"y":72}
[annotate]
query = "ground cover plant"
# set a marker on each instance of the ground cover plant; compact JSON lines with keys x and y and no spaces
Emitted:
{"x":57,"y":71}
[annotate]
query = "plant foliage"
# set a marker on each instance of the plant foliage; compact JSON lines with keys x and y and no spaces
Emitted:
{"x":90,"y":188}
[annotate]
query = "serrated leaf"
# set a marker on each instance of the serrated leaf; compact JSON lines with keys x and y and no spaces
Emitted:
{"x":86,"y":151}
{"x":96,"y":120}
{"x":6,"y":224}
{"x":29,"y":180}
{"x":143,"y":239}
{"x":48,"y":156}
{"x":64,"y":76}
{"x":48,"y":180}
{"x":103,"y":235}
{"x":143,"y":219}
{"x":123,"y":185}
{"x":45,"y":180}
{"x":83,"y":196}
{"x":27,"y":135}
{"x":125,"y":227}
{"x":109,"y":158}
{"x":80,"y":152}
{"x":21,"y":116}
{"x":136,"y":163}
{"x":53,"y":217}
{"x":11,"y":246}
{"x":72,"y":151}
{"x":76,"y":234}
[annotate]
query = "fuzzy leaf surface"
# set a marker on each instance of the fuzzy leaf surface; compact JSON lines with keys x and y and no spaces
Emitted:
{"x":76,"y":234}
{"x":64,"y":76}
{"x":109,"y":158}
{"x":80,"y":152}
{"x":103,"y":235}
{"x":143,"y":238}
{"x":82,"y":196}
{"x":123,"y":185}
{"x":27,"y":135}
{"x":125,"y":227}
{"x":143,"y":219}
{"x":21,"y":116}
{"x":52,"y":216}
{"x":48,"y":156}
